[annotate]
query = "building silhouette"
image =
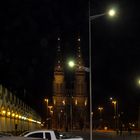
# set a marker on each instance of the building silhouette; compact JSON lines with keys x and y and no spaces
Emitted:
{"x":70,"y":109}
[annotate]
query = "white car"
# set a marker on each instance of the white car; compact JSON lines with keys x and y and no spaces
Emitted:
{"x":50,"y":135}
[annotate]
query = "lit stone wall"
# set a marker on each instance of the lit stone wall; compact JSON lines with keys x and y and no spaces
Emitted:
{"x":14,"y":112}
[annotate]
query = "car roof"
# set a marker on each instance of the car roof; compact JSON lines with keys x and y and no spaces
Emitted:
{"x":41,"y":130}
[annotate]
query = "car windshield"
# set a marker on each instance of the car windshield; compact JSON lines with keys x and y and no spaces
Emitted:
{"x":57,"y":134}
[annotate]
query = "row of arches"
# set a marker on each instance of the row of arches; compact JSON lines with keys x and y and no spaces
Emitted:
{"x":15,"y":115}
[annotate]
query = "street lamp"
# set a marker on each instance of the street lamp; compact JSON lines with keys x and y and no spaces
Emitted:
{"x":115,"y":103}
{"x":110,"y":13}
{"x":100,"y":110}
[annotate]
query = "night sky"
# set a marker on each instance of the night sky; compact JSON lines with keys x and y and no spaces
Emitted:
{"x":29,"y":31}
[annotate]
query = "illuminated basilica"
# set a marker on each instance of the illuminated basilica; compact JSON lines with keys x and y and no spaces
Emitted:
{"x":70,"y":109}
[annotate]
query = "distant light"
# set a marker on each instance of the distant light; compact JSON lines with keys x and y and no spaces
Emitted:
{"x":75,"y":102}
{"x":133,"y":125}
{"x":3,"y":112}
{"x":114,"y":102}
{"x":46,"y":100}
{"x":100,"y":108}
{"x":63,"y":102}
{"x":85,"y":102}
{"x":112,"y":12}
{"x":13,"y":114}
{"x":8,"y":113}
{"x":79,"y":39}
{"x":105,"y":128}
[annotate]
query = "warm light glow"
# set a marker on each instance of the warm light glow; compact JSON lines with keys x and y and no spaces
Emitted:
{"x":75,"y":102}
{"x":105,"y":128}
{"x":50,"y":107}
{"x":133,"y":125}
{"x":38,"y":122}
{"x":54,"y":102}
{"x":114,"y":102}
{"x":85,"y":102}
{"x":71,"y":63}
{"x":3,"y":112}
{"x":63,"y":102}
{"x":112,"y":12}
{"x":30,"y":120}
{"x":13,"y":114}
{"x":100,"y":108}
{"x":46,"y":100}
{"x":8,"y":113}
{"x":16,"y":115}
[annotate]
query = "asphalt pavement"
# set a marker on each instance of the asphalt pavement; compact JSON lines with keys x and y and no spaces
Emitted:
{"x":107,"y":135}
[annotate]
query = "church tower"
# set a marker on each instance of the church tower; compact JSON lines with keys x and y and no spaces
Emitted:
{"x":80,"y":91}
{"x":59,"y":99}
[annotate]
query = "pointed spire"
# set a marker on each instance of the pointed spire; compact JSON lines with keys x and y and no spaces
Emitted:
{"x":58,"y":65}
{"x":79,"y":61}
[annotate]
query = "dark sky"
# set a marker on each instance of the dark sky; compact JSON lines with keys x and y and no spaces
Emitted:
{"x":29,"y":31}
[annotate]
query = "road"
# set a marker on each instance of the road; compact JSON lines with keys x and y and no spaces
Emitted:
{"x":107,"y":135}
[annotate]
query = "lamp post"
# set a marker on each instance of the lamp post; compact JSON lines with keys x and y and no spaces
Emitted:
{"x":100,"y":111}
{"x":115,"y":103}
{"x":46,"y":100}
{"x":111,"y":13}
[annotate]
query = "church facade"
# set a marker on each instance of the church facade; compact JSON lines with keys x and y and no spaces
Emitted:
{"x":70,"y":109}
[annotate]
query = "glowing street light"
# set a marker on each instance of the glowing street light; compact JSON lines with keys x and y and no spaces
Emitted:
{"x":111,"y":12}
{"x":71,"y":63}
